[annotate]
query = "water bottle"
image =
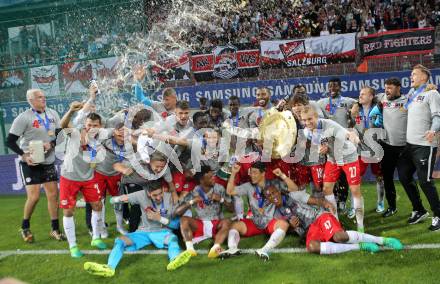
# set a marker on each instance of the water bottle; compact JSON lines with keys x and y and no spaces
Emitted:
{"x":94,"y":83}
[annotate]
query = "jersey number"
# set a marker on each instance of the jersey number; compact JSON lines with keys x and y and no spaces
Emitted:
{"x":320,"y":173}
{"x":352,"y":171}
{"x":328,"y":224}
{"x":97,"y":188}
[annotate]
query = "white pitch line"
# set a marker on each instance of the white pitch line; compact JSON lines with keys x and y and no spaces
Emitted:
{"x":6,"y":253}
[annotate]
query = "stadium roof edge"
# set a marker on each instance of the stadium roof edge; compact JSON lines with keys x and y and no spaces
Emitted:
{"x":40,"y":8}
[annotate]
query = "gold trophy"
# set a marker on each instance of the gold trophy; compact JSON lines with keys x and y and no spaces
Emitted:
{"x":279,"y":129}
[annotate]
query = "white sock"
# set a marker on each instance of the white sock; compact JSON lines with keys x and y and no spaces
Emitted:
{"x":356,"y":237}
{"x":275,"y":239}
{"x":331,"y":198}
{"x":189,"y":245}
{"x":103,"y":212}
{"x":358,"y":205}
{"x":380,"y":187}
{"x":215,"y":246}
{"x":233,"y":239}
{"x":333,"y":248}
{"x":96,"y":224}
{"x":69,"y":229}
{"x":239,"y":207}
{"x":119,"y":219}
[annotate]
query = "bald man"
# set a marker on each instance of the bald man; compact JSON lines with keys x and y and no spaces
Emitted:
{"x":37,"y":123}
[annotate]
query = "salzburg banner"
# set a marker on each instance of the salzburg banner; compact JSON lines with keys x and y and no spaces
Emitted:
{"x":226,"y":62}
{"x":399,"y":42}
{"x":308,"y":52}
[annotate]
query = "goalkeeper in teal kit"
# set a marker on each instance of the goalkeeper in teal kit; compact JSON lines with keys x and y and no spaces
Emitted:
{"x":157,"y":221}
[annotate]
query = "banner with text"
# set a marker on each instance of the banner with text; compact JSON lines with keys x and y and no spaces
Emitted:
{"x":226,"y":62}
{"x":316,"y":87}
{"x":392,"y":43}
{"x":308,"y":52}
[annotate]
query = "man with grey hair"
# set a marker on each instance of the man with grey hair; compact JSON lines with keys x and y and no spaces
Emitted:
{"x":37,"y":123}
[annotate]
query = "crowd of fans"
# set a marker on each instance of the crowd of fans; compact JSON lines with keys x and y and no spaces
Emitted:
{"x":263,"y":20}
{"x":80,"y":34}
{"x":91,"y":34}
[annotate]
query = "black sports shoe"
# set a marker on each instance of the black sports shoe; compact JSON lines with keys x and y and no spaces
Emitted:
{"x":27,"y":236}
{"x":417,"y":216}
{"x":435,"y":226}
{"x":389,"y":212}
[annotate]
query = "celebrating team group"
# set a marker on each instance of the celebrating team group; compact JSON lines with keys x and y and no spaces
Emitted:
{"x":174,"y":173}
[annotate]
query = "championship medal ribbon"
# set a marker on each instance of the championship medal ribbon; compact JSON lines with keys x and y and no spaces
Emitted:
{"x":366,"y":118}
{"x":45,"y":122}
{"x":260,"y":200}
{"x":162,"y":210}
{"x":333,"y":109}
{"x":414,"y":95}
{"x":206,"y":201}
{"x":120,"y":152}
{"x":93,"y":153}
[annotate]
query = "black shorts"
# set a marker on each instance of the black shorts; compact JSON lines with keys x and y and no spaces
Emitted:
{"x":38,"y":174}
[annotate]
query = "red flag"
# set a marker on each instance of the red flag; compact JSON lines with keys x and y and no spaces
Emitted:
{"x":363,"y":67}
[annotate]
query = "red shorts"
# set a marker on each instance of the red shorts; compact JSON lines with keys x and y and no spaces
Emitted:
{"x":205,"y":230}
{"x":375,"y":168}
{"x":253,"y":230}
{"x":303,"y":175}
{"x":108,"y":184}
{"x":351,"y":170}
{"x":69,"y":189}
{"x":317,"y":172}
{"x":323,"y":229}
{"x":181,"y":183}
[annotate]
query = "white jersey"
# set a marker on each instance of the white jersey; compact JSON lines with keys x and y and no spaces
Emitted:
{"x":422,"y":107}
{"x":337,"y":109}
{"x":395,"y":118}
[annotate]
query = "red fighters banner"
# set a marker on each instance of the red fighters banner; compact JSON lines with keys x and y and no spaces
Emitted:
{"x":399,"y":42}
{"x":226,"y":62}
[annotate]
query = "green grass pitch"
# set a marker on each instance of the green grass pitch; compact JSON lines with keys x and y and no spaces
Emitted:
{"x":408,"y":266}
